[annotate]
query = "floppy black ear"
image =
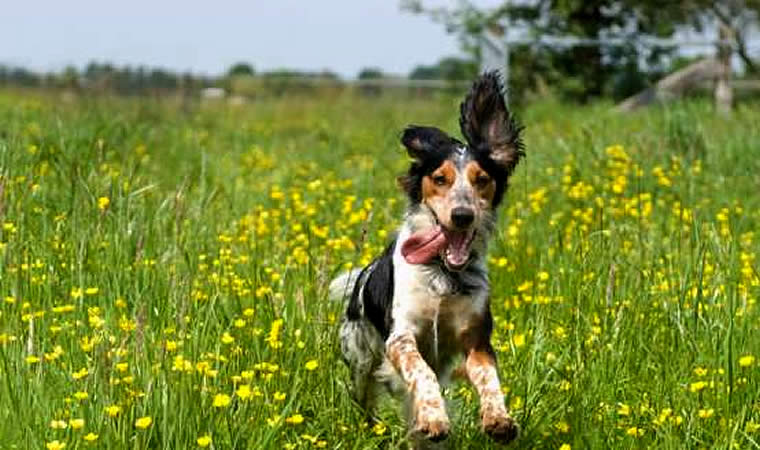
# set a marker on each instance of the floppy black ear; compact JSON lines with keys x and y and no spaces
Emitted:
{"x":487,"y":124}
{"x":423,"y":141}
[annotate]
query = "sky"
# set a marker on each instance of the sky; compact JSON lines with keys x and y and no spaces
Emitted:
{"x":208,"y":37}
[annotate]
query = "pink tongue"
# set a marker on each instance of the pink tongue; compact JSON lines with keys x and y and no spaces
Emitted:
{"x":423,"y":246}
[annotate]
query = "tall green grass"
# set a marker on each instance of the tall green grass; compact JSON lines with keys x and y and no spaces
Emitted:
{"x":171,"y":262}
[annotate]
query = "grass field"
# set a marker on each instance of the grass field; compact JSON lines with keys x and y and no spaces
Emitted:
{"x":163,"y":274}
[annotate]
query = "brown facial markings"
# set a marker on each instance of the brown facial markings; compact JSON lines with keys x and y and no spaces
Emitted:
{"x":484,"y":186}
{"x":437,"y":191}
{"x":438,"y":183}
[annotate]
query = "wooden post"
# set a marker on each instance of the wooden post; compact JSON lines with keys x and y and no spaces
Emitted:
{"x":723,"y":93}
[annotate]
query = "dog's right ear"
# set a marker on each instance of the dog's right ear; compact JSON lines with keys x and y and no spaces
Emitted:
{"x":423,"y":141}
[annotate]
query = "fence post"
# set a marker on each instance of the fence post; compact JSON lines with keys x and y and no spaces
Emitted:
{"x":723,"y":93}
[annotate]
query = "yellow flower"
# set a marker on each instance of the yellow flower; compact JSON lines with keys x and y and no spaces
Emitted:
{"x":143,"y":422}
{"x":81,"y":395}
{"x":634,"y":431}
{"x":623,"y":409}
{"x":312,"y":364}
{"x":55,"y":445}
{"x":221,"y":400}
{"x":518,"y":340}
{"x":103,"y":203}
{"x":31,"y":359}
{"x":76,"y":424}
{"x":90,"y":437}
{"x":295,"y":419}
{"x":58,"y":424}
{"x":204,"y":441}
{"x":83,"y":372}
{"x":113,"y":410}
{"x":279,"y":396}
{"x":244,"y":391}
{"x":227,"y":338}
{"x":706,"y":413}
{"x":746,"y":361}
{"x":565,"y":447}
{"x":697,"y":386}
{"x":379,"y":428}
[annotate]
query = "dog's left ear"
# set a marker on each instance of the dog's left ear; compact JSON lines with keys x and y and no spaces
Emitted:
{"x":487,"y":124}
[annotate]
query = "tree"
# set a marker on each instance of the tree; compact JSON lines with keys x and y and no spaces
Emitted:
{"x":449,"y":68}
{"x":585,"y":71}
{"x":239,"y":69}
{"x":370,"y":73}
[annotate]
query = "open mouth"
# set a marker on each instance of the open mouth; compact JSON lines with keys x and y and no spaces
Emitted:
{"x":453,"y":246}
{"x":456,"y":254}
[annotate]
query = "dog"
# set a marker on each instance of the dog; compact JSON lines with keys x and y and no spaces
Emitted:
{"x":424,"y":302}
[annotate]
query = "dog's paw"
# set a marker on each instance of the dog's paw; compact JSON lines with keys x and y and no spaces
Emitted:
{"x":433,"y":425}
{"x":501,"y":428}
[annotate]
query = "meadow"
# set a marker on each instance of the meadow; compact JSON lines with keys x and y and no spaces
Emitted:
{"x":164,"y":271}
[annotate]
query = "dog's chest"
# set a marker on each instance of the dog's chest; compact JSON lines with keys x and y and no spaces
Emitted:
{"x":442,"y":312}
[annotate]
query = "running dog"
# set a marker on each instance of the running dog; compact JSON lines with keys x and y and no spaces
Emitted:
{"x":424,"y":301}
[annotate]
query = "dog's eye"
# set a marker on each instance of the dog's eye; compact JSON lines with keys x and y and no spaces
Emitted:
{"x":482,"y":181}
{"x":439,"y":180}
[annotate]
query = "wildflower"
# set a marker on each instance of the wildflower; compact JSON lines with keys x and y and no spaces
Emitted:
{"x":706,"y":413}
{"x":103,"y":203}
{"x":634,"y":431}
{"x":81,"y":395}
{"x":312,"y":364}
{"x":623,"y":409}
{"x":83,"y":372}
{"x":76,"y":424}
{"x":295,"y":419}
{"x":700,"y":371}
{"x":221,"y":400}
{"x":379,"y":428}
{"x":91,"y":437}
{"x":31,"y":359}
{"x":55,"y":445}
{"x":562,"y":427}
{"x":204,"y":441}
{"x":518,"y":340}
{"x":227,"y":338}
{"x":565,"y":447}
{"x":171,"y":346}
{"x":58,"y":424}
{"x":697,"y":386}
{"x":244,"y":391}
{"x":113,"y":410}
{"x":143,"y":422}
{"x":279,"y":396}
{"x":746,"y":361}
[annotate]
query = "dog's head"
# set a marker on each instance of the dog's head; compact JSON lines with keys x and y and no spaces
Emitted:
{"x":462,"y":184}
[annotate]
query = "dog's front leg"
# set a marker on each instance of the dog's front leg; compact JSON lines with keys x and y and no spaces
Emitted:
{"x":481,"y":370}
{"x":428,"y":409}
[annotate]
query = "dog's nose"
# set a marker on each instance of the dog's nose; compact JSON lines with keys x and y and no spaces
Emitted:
{"x":462,"y":217}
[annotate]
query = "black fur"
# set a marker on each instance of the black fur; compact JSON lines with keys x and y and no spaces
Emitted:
{"x":492,"y":134}
{"x":428,"y":147}
{"x":377,"y":298}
